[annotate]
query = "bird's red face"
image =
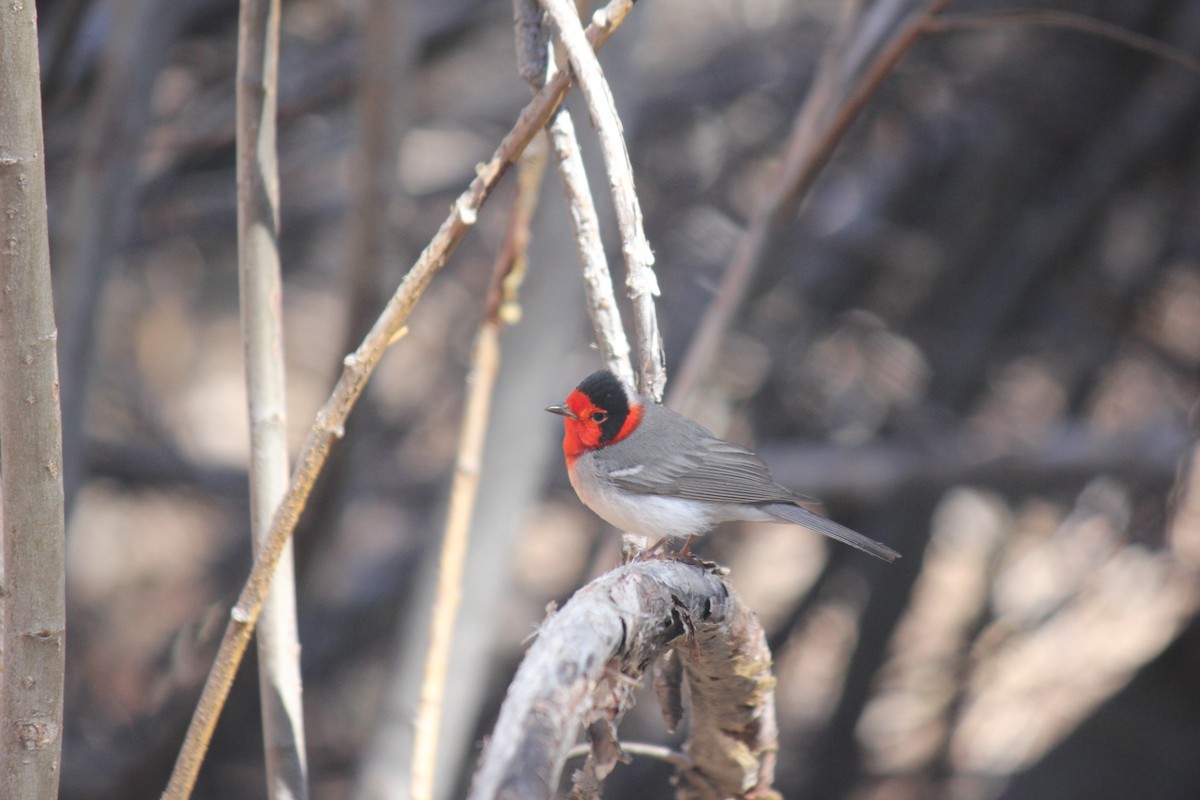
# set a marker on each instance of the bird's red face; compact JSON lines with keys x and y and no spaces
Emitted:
{"x":598,"y":413}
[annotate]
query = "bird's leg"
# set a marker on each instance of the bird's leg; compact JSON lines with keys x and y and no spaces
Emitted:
{"x":686,"y":555}
{"x":652,"y":549}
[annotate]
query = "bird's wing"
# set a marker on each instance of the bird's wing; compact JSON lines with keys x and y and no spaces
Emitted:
{"x":716,"y":471}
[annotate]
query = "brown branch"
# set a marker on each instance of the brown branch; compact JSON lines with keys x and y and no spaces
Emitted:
{"x":1183,"y":528}
{"x":331,"y":418}
{"x":808,"y":149}
{"x":31,"y":464}
{"x":508,"y":272}
{"x":590,"y":655}
{"x":485,"y":362}
{"x":1065,"y":20}
{"x":640,"y":281}
{"x":261,"y":291}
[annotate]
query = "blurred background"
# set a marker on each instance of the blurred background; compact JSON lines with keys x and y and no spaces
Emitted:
{"x":977,"y":342}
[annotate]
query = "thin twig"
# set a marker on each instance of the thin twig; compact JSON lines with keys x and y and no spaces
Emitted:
{"x":1065,"y":20}
{"x":656,"y":751}
{"x":485,"y":362}
{"x":331,"y":418}
{"x":597,"y":279}
{"x":806,"y":153}
{"x":640,"y":281}
{"x":508,"y":273}
{"x":31,"y":462}
{"x":261,"y":289}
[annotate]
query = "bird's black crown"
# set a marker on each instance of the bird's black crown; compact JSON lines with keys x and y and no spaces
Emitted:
{"x":607,"y":392}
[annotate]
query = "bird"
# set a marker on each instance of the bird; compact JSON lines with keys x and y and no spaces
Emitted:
{"x":649,"y":470}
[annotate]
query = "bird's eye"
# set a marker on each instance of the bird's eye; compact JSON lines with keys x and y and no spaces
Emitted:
{"x":598,"y":417}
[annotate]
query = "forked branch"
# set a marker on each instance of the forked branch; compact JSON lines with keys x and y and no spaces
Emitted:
{"x":535,"y":57}
{"x":640,"y":281}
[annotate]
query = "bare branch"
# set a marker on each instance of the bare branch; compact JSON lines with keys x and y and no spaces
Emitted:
{"x":261,"y":291}
{"x":331,"y":418}
{"x":31,"y":465}
{"x":590,"y":655}
{"x":640,"y":281}
{"x":597,"y":279}
{"x":808,"y":149}
{"x":536,"y":65}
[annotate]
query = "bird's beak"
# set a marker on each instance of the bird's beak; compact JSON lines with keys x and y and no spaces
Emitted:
{"x":562,"y":411}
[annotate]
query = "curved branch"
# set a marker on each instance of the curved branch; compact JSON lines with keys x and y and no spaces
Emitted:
{"x":822,"y":122}
{"x":588,"y":658}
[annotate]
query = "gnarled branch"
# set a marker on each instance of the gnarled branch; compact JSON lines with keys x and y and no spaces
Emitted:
{"x":589,"y":656}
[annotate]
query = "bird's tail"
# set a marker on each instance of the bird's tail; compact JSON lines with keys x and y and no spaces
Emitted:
{"x":802,"y":516}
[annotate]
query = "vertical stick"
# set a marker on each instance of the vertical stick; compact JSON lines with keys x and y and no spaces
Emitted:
{"x":262,"y":332}
{"x":31,"y":464}
{"x":485,"y":362}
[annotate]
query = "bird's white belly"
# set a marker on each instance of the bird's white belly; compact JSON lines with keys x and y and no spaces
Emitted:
{"x":647,"y":514}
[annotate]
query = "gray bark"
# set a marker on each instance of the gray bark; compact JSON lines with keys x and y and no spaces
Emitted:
{"x":30,"y":435}
{"x":261,"y":292}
